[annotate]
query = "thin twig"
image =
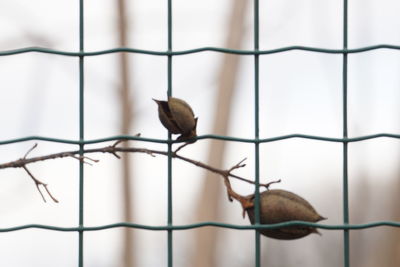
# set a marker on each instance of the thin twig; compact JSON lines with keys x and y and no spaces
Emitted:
{"x":36,"y":181}
{"x":85,"y":159}
{"x":48,"y":192}
{"x":39,"y":183}
{"x":240,"y":164}
{"x":180,"y":147}
{"x":29,"y":151}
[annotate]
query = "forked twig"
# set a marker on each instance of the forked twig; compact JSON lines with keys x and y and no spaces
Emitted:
{"x":39,"y":183}
{"x":238,"y":165}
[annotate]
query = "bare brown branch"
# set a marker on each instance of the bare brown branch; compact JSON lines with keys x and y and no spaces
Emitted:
{"x":113,"y":149}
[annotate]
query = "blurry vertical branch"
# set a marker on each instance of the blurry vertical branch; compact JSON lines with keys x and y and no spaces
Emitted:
{"x":126,"y":123}
{"x":208,"y":207}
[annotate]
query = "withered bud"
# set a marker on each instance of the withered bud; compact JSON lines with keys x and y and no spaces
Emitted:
{"x":178,"y":117}
{"x":278,"y":206}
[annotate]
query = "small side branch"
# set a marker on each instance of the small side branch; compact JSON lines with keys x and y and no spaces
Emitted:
{"x":39,"y":183}
{"x":30,"y":150}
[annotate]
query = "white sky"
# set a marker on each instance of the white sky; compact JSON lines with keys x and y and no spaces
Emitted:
{"x":300,"y":92}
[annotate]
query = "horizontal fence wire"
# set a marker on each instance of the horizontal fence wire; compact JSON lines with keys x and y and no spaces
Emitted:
{"x":206,"y":136}
{"x":203,"y":224}
{"x":198,"y":50}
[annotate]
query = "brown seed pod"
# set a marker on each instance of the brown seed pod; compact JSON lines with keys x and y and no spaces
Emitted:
{"x":178,"y":117}
{"x":278,"y":206}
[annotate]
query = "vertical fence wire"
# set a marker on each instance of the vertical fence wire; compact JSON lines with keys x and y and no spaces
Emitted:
{"x":81,"y":132}
{"x":256,"y":134}
{"x":169,"y":93}
{"x":346,"y":234}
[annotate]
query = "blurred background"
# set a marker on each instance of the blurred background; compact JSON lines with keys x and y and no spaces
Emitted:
{"x":300,"y":92}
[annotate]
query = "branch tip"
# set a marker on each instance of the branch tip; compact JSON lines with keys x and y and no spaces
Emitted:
{"x":30,"y":150}
{"x":267,"y":185}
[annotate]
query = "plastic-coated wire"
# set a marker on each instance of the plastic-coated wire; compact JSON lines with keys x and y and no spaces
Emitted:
{"x":198,"y":50}
{"x":208,"y":136}
{"x":256,"y":133}
{"x":204,"y":224}
{"x":170,"y":262}
{"x":81,"y":132}
{"x":346,"y":234}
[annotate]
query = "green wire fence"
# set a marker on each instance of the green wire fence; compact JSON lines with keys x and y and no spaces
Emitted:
{"x":170,"y":53}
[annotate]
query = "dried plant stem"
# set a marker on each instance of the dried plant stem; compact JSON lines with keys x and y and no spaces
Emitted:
{"x":113,"y":149}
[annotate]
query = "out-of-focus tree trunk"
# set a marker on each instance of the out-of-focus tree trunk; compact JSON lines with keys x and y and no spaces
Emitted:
{"x":383,"y":242}
{"x":391,"y":253}
{"x":208,"y":202}
{"x":126,"y":123}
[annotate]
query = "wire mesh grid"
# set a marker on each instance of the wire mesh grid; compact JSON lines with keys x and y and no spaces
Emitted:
{"x":169,"y":228}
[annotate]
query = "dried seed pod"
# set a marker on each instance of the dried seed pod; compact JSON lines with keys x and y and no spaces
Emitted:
{"x":177,"y":116}
{"x":278,"y":206}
